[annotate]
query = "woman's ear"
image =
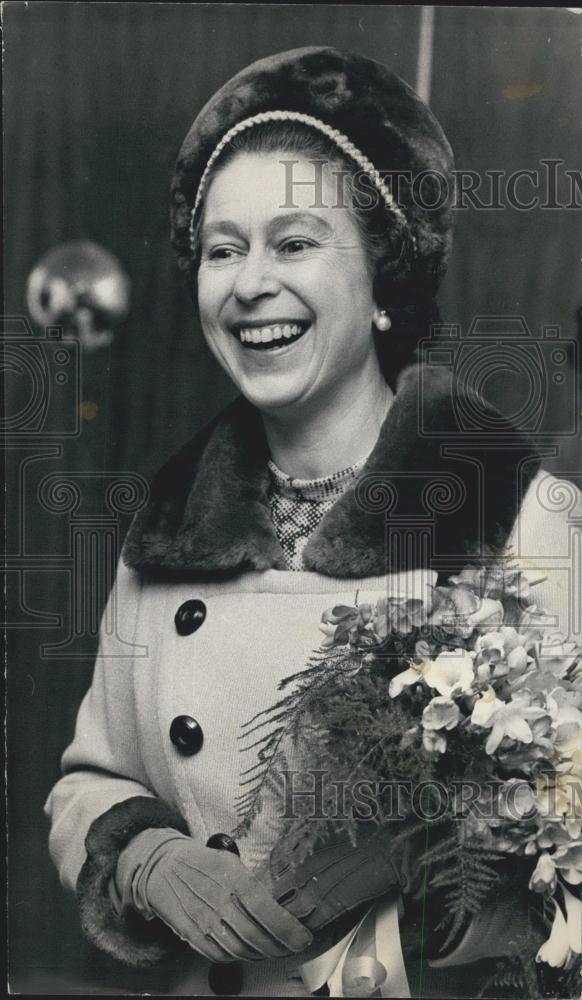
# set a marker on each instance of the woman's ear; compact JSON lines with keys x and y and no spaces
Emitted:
{"x":382,"y":320}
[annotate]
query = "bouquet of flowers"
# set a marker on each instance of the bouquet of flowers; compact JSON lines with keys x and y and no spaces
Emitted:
{"x":471,"y":705}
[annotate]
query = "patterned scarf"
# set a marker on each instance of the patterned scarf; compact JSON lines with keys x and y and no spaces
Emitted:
{"x":298,"y":505}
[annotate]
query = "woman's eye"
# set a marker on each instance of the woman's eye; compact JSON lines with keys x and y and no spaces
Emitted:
{"x":222,"y":253}
{"x":296,"y":246}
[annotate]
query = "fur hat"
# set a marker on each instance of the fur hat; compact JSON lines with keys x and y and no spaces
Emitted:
{"x":353,"y":100}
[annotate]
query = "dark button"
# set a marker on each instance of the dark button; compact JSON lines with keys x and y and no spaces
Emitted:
{"x":222,"y":842}
{"x":189,"y":617}
{"x":225,"y":978}
{"x":186,"y":735}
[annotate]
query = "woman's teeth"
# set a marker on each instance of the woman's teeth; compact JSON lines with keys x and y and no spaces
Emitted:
{"x":271,"y":336}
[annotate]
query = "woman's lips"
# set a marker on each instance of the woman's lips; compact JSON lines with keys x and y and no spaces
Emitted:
{"x":270,"y":336}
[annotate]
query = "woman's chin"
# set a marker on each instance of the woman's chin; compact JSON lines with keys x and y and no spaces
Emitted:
{"x":273,"y":392}
{"x":268,"y":402}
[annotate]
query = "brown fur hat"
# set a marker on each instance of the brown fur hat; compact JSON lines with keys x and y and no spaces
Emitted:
{"x":379,"y":114}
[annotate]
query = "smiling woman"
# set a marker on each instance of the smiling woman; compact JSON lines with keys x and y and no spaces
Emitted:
{"x":308,"y":169}
{"x":268,"y":277}
{"x":329,"y":476}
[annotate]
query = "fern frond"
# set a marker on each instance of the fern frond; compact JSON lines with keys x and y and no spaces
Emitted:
{"x":465,"y":873}
{"x":286,"y":719}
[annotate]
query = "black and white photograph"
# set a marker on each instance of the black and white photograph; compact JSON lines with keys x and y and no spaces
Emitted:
{"x":291,"y":348}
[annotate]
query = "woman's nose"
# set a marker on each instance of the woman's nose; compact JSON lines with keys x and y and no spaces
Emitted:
{"x":255,"y":277}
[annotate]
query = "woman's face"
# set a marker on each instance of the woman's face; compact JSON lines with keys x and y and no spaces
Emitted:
{"x":284,"y":288}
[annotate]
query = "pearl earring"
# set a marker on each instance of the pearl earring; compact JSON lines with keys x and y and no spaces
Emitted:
{"x":382,"y":320}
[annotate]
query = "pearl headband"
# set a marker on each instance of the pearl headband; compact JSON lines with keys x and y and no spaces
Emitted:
{"x":339,"y":138}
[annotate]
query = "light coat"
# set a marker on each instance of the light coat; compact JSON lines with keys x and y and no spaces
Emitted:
{"x":207,"y":535}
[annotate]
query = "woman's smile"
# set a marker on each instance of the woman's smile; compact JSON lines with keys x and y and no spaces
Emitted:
{"x":272,"y":335}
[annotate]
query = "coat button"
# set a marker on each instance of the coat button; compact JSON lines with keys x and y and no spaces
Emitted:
{"x":222,"y":842}
{"x":225,"y":978}
{"x":189,"y":617}
{"x":186,"y":735}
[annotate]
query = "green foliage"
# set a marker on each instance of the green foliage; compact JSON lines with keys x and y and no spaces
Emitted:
{"x":287,"y":719}
{"x":521,"y":978}
{"x":465,"y":874}
{"x":339,"y":713}
{"x":337,"y":716}
{"x":512,"y":978}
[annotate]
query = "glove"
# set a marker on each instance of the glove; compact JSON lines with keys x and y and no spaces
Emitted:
{"x":510,"y":923}
{"x":338,"y":877}
{"x":207,"y":897}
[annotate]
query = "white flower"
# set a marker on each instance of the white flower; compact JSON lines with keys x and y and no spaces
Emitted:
{"x":573,"y":828}
{"x":411,"y":676}
{"x":490,"y":647}
{"x":502,"y":651}
{"x":516,"y":800}
{"x":555,"y":951}
{"x":451,"y":673}
{"x":569,"y":745}
{"x":329,"y":633}
{"x":517,"y":659}
{"x":568,"y":858}
{"x":434,"y":742}
{"x":544,"y":877}
{"x":566,"y":933}
{"x":511,"y":637}
{"x":555,"y":833}
{"x":557,"y":655}
{"x":489,"y":611}
{"x":484,"y":708}
{"x":505,"y":718}
{"x":559,"y":792}
{"x":566,"y":718}
{"x":441,"y":713}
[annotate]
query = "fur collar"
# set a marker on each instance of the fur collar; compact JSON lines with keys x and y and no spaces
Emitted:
{"x":458,"y":496}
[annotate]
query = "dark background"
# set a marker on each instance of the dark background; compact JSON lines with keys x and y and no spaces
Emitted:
{"x":97,"y":99}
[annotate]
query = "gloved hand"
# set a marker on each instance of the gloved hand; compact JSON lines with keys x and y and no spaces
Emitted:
{"x":509,"y":923}
{"x":207,"y":897}
{"x":338,"y":877}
